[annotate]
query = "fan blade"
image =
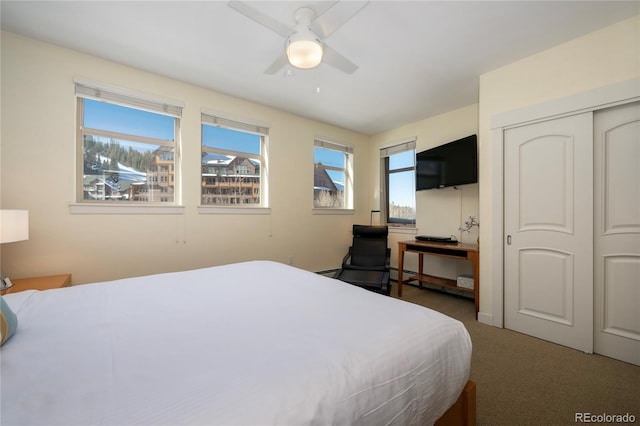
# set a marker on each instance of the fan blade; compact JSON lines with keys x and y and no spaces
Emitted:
{"x":336,"y":60}
{"x":327,"y":23}
{"x":280,"y":62}
{"x":260,"y":18}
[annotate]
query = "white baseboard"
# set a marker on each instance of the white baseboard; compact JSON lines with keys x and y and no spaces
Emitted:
{"x":485,"y":318}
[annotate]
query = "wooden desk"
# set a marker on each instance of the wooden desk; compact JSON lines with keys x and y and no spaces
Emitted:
{"x":39,"y":283}
{"x":469,"y":252}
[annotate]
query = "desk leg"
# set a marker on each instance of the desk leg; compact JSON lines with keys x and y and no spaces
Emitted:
{"x":400,"y":268}
{"x":420,"y":268}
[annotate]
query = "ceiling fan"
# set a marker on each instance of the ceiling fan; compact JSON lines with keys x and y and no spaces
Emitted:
{"x":304,"y":45}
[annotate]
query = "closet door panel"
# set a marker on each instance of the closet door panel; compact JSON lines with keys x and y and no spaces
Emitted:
{"x":548,"y":184}
{"x":617,"y":233}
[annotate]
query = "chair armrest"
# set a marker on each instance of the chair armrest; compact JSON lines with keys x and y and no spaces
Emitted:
{"x":345,"y":260}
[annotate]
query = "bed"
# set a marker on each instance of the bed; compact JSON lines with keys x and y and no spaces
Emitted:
{"x":250,"y":343}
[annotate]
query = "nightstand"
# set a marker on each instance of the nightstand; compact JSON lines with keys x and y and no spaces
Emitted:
{"x":39,"y":283}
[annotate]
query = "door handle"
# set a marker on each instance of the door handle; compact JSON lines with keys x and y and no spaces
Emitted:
{"x":508,"y":239}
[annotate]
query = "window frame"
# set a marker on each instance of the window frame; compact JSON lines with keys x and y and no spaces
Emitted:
{"x":85,"y":89}
{"x":386,"y":152}
{"x":217,"y":119}
{"x":348,"y":152}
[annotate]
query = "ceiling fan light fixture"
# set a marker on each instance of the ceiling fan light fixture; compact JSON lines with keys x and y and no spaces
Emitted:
{"x":304,"y":50}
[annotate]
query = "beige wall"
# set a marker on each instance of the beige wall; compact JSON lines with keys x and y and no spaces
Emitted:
{"x":441,"y":211}
{"x":37,"y":172}
{"x":38,"y":142}
{"x":602,"y":58}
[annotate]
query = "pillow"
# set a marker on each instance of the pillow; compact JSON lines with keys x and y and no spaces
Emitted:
{"x":8,"y":322}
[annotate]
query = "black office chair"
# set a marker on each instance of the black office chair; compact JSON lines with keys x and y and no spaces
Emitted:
{"x":367,"y":262}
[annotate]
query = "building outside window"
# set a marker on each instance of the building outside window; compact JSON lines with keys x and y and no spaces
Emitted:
{"x":233,"y":163}
{"x":398,"y":184}
{"x":127,"y":147}
{"x":332,"y":175}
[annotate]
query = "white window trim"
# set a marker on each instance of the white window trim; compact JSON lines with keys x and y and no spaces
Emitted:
{"x":90,"y":89}
{"x":130,"y":98}
{"x":327,"y":143}
{"x":216,"y":118}
{"x":386,"y":151}
{"x":330,"y":210}
{"x":234,"y":210}
{"x":402,"y":229}
{"x":93,"y":208}
{"x":398,"y":146}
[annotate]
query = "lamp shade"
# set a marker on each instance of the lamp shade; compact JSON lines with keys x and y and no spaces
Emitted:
{"x":304,"y":49}
{"x":14,"y":225}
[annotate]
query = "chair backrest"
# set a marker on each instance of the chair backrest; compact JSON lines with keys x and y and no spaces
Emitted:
{"x":369,"y":246}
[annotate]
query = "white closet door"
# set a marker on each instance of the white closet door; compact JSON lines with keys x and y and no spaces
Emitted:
{"x":617,"y":233}
{"x":548,"y":184}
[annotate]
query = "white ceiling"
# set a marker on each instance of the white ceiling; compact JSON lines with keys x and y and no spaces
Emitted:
{"x":416,"y":58}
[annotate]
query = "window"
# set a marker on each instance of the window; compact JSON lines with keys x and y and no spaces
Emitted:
{"x":398,"y":183}
{"x":233,"y":166}
{"x":127,"y":147}
{"x":332,"y":175}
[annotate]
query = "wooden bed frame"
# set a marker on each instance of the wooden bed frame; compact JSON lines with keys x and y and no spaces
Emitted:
{"x":463,"y":412}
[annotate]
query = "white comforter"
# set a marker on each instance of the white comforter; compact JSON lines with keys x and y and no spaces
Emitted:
{"x":250,"y":343}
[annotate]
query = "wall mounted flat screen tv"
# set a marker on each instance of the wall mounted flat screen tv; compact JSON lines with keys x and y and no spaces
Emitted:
{"x":452,"y":164}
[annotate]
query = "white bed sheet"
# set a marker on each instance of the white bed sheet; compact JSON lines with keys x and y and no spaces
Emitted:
{"x":251,"y":343}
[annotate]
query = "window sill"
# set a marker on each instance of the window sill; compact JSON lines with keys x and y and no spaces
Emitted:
{"x":233,"y":210}
{"x":91,"y":208}
{"x":402,"y":230}
{"x":331,"y":211}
